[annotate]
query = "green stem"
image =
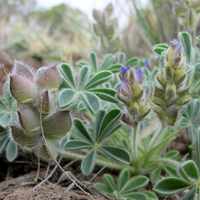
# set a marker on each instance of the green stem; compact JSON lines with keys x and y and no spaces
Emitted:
{"x":134,"y":143}
{"x":78,"y":156}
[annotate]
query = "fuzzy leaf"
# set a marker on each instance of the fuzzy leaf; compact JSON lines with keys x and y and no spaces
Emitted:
{"x":123,"y":178}
{"x":99,"y":78}
{"x":116,"y":154}
{"x":11,"y":151}
{"x":186,"y":41}
{"x":170,"y":185}
{"x":84,"y":76}
{"x":66,"y":97}
{"x":93,"y":58}
{"x":66,"y":73}
{"x":91,"y":101}
{"x":109,"y":124}
{"x":88,"y":163}
{"x":82,"y":130}
{"x":135,"y":183}
{"x":106,"y":94}
{"x":189,"y":170}
{"x":76,"y":145}
{"x":160,"y":48}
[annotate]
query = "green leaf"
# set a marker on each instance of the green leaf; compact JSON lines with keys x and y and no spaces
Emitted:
{"x":189,"y":170}
{"x":114,"y":68}
{"x":160,"y":48}
{"x":109,"y":124}
{"x":3,"y":142}
{"x":108,"y":60}
{"x":84,"y":76}
{"x":66,"y":73}
{"x":116,"y":154}
{"x":135,"y":183}
{"x":186,"y":40}
{"x":93,"y":58}
{"x":123,"y":178}
{"x":82,"y":130}
{"x":132,"y":61}
{"x":190,"y":195}
{"x":91,"y":101}
{"x":88,"y":164}
{"x":66,"y":97}
{"x":150,"y":195}
{"x":99,"y":78}
{"x":135,"y":196}
{"x":76,"y":145}
{"x":104,"y":189}
{"x":11,"y":151}
{"x":171,"y":185}
{"x":106,"y":94}
{"x":109,"y":181}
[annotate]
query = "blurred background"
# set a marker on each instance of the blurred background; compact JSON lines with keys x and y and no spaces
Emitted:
{"x":46,"y":31}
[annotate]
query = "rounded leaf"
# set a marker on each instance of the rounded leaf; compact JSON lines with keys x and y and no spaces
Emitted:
{"x":88,"y":163}
{"x":11,"y":151}
{"x":171,"y":185}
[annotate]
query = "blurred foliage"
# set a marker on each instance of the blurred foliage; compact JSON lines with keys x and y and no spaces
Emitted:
{"x":44,"y":34}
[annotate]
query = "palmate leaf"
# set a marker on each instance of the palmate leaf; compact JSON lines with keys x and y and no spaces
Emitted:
{"x":106,"y":94}
{"x":65,"y":72}
{"x":109,"y":124}
{"x":66,"y":97}
{"x":189,"y":171}
{"x":83,"y":131}
{"x":84,"y":76}
{"x":76,"y":145}
{"x":107,"y":61}
{"x":171,"y":185}
{"x":91,"y":101}
{"x":135,"y":183}
{"x":123,"y":178}
{"x":88,"y":163}
{"x":116,"y":154}
{"x":109,"y":182}
{"x":99,"y":78}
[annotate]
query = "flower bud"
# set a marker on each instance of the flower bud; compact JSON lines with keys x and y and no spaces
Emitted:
{"x":22,"y":89}
{"x":138,"y":74}
{"x":29,"y":119}
{"x":57,"y":125}
{"x":44,"y":103}
{"x":22,"y":139}
{"x":174,"y":53}
{"x":47,"y":78}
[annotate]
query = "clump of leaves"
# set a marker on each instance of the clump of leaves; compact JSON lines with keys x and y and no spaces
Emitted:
{"x":187,"y":182}
{"x":125,"y":187}
{"x":94,"y":140}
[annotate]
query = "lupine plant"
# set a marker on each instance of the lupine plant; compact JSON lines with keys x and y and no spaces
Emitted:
{"x":119,"y":113}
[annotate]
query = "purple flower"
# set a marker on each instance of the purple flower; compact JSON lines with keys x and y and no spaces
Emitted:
{"x":146,"y":64}
{"x":123,"y":70}
{"x":138,"y":75}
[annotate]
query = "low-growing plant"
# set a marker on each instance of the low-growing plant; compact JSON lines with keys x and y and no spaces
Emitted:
{"x":120,"y":113}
